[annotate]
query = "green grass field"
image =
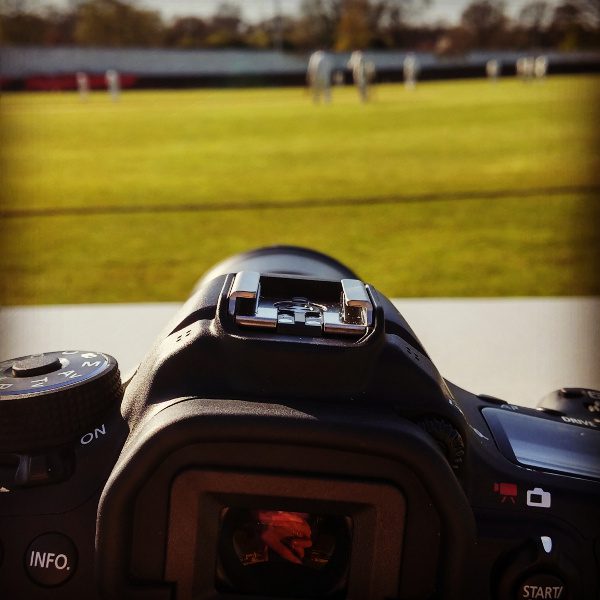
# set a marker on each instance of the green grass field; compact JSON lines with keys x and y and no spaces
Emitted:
{"x":470,"y":188}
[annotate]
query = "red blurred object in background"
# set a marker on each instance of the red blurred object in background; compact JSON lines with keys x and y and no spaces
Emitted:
{"x":68,"y":82}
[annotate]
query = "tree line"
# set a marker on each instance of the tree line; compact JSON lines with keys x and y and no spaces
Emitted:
{"x":332,"y":24}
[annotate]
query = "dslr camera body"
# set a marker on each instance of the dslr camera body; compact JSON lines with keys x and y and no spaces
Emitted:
{"x":287,"y":436}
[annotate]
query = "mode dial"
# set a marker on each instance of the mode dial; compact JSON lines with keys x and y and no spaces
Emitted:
{"x":49,"y":399}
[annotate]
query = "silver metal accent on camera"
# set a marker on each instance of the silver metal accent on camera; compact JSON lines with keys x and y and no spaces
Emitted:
{"x":245,"y":285}
{"x":546,"y":543}
{"x":244,"y":302}
{"x":352,"y":315}
{"x":356,"y":301}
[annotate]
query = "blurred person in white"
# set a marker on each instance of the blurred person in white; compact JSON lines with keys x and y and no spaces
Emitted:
{"x":113,"y":83}
{"x":318,"y":76}
{"x":83,"y":85}
{"x":525,"y":67}
{"x":540,"y":67}
{"x":410,"y":69}
{"x":359,"y":74}
{"x":492,"y":69}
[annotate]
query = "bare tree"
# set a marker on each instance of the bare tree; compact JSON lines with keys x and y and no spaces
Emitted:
{"x":116,"y":23}
{"x":318,"y":23}
{"x":590,"y":12}
{"x":486,"y":21}
{"x":355,"y":27}
{"x":535,"y":15}
{"x":533,"y":21}
{"x":187,"y":32}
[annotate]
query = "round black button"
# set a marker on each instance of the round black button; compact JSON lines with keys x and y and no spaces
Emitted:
{"x":51,"y":559}
{"x":39,"y":364}
{"x":541,"y":585}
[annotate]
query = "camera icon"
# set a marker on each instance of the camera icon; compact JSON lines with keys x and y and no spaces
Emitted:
{"x":539,"y":498}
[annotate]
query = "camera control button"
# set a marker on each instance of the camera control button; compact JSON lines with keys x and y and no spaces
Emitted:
{"x":51,"y":559}
{"x":39,"y":364}
{"x":542,"y":585}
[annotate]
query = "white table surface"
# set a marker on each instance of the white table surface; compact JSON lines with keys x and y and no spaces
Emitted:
{"x":519,"y":349}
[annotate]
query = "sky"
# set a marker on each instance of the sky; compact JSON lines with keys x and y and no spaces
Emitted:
{"x":257,"y":10}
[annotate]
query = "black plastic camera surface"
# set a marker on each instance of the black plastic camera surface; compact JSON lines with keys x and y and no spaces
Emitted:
{"x":287,"y":436}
